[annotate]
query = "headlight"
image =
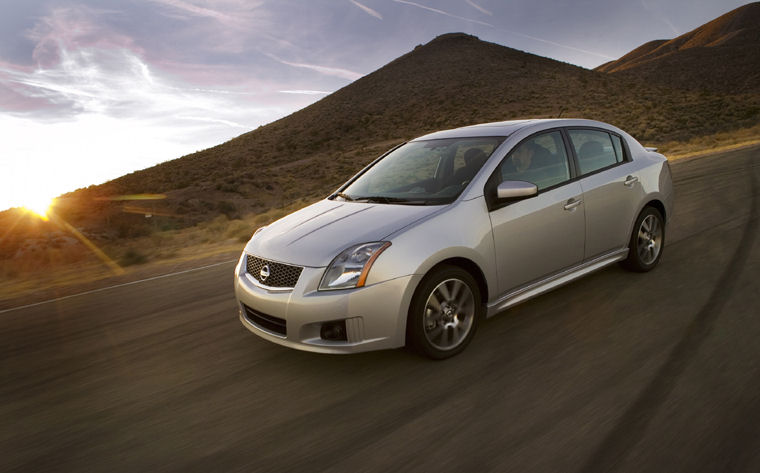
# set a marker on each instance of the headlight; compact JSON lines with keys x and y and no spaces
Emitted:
{"x":350,"y":268}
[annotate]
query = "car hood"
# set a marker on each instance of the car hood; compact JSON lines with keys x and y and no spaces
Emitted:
{"x":314,"y":235}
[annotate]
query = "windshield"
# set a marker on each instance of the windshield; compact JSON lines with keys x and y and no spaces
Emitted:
{"x":430,"y":172}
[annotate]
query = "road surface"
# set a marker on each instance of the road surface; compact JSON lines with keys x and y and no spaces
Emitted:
{"x":615,"y":372}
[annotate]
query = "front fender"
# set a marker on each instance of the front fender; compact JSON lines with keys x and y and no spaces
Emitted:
{"x":463,"y":230}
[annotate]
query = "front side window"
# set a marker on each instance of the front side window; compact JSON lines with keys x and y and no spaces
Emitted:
{"x":541,"y":160}
{"x":595,"y":149}
{"x":426,"y":172}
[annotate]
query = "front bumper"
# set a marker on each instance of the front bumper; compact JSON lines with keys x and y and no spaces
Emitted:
{"x":375,"y":315}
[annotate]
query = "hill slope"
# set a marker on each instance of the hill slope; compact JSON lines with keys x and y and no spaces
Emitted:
{"x":722,"y":55}
{"x":454,"y":80}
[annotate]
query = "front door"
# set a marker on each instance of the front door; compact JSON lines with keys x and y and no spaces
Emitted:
{"x":544,"y":234}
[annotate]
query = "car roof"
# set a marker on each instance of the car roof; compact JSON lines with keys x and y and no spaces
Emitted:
{"x":507,"y":128}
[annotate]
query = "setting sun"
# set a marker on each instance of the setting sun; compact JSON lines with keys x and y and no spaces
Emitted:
{"x":40,"y":206}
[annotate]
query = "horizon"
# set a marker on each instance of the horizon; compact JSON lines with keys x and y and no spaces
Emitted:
{"x":91,"y":92}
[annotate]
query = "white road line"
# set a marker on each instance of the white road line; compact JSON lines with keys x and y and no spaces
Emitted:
{"x":118,"y":285}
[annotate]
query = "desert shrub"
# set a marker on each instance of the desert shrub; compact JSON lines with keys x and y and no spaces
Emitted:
{"x":227,"y":208}
{"x":132,"y":229}
{"x":131,"y":257}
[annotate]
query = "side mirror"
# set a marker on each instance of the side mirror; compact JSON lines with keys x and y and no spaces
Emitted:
{"x":515,"y":190}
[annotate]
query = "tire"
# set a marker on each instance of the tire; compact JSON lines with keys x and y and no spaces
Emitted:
{"x":444,"y":313}
{"x":647,"y":241}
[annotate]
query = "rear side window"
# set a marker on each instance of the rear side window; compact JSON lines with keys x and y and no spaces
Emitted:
{"x":595,"y":149}
{"x":618,"y":145}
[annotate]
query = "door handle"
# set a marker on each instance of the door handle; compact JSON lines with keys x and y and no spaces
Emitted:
{"x":630,"y":180}
{"x":573,"y":203}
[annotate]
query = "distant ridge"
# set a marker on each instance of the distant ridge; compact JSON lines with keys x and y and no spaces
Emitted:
{"x":722,"y":55}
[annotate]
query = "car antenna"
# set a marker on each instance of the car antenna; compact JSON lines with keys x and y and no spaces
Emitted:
{"x":561,"y":111}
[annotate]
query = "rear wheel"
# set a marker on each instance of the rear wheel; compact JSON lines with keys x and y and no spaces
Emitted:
{"x":647,"y":241}
{"x":444,"y":313}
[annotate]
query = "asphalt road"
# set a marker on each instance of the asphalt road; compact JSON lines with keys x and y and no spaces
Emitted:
{"x":615,"y":372}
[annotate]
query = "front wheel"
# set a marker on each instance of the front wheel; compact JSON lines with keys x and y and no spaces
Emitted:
{"x":647,"y":241}
{"x":444,"y":313}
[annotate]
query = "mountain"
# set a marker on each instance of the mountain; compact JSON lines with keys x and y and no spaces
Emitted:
{"x":722,"y":55}
{"x":454,"y":80}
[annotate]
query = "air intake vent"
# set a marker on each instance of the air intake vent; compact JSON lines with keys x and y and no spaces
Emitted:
{"x":266,"y":322}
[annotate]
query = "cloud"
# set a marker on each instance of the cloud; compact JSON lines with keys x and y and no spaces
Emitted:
{"x":237,"y":19}
{"x":119,"y":83}
{"x":478,"y":7}
{"x":215,"y":120}
{"x":73,"y":27}
{"x":330,"y":71}
{"x":304,"y":92}
{"x":441,"y":12}
{"x":367,"y":9}
{"x":221,"y":26}
{"x":657,"y":13}
{"x":94,"y":107}
{"x":560,"y":45}
{"x":212,"y":91}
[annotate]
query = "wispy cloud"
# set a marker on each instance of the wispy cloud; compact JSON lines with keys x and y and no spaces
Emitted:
{"x":73,"y":27}
{"x":330,"y":71}
{"x":367,"y":9}
{"x":559,"y":45}
{"x":215,"y":120}
{"x":211,"y":91}
{"x":441,"y":12}
{"x":478,"y":7}
{"x":657,"y":13}
{"x":232,"y":20}
{"x":304,"y":92}
{"x":223,"y":26}
{"x":93,"y":107}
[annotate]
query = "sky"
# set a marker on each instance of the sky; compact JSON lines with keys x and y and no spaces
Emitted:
{"x":91,"y":90}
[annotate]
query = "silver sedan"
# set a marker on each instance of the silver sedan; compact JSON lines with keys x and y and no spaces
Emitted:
{"x":450,"y":228}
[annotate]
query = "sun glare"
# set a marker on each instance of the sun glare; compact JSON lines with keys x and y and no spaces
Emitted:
{"x":40,"y":206}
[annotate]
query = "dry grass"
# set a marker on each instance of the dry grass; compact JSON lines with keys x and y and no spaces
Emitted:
{"x":711,"y":143}
{"x":54,"y":271}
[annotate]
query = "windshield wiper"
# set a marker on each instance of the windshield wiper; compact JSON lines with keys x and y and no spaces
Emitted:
{"x":343,"y":196}
{"x":381,"y":199}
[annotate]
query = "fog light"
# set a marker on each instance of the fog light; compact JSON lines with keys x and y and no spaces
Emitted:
{"x":335,"y":331}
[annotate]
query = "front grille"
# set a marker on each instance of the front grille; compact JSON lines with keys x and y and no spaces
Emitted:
{"x":266,"y":322}
{"x":280,"y":275}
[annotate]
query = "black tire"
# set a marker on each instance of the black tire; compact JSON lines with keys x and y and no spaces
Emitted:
{"x":446,"y":331}
{"x":647,"y":241}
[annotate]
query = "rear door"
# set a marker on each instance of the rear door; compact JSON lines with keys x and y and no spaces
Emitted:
{"x":610,"y":188}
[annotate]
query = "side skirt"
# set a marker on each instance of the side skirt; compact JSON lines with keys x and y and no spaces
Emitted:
{"x":554,"y":281}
